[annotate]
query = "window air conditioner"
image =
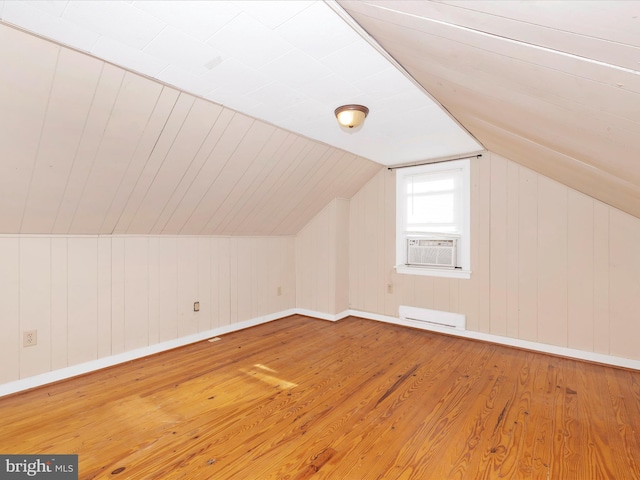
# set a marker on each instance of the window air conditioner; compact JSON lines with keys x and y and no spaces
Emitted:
{"x":432,"y":252}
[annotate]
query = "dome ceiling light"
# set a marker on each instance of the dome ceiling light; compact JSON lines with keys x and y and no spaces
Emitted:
{"x":351,"y":116}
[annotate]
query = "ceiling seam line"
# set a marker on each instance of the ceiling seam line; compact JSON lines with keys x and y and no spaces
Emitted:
{"x":204,"y":140}
{"x":203,"y":196}
{"x":157,"y":170}
{"x":75,"y":155}
{"x":40,"y":135}
{"x":133,"y":154}
{"x":224,"y":223}
{"x":507,"y":39}
{"x":95,"y":156}
{"x":146,"y":163}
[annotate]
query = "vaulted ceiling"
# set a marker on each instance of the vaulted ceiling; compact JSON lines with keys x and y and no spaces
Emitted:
{"x":90,"y":148}
{"x":553,"y":85}
{"x":217,"y":117}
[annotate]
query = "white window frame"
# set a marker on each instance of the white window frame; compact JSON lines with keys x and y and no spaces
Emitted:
{"x":464,"y":240}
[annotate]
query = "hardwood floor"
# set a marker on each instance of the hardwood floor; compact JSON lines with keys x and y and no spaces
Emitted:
{"x":307,"y":399}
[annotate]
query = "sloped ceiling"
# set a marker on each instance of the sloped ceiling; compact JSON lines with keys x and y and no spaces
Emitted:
{"x":183,"y":117}
{"x":90,"y":148}
{"x":552,"y":85}
{"x":289,"y":63}
{"x":205,"y":133}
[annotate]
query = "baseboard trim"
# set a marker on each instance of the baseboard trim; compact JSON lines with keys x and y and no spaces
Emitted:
{"x":321,"y":315}
{"x":88,"y":367}
{"x":508,"y":341}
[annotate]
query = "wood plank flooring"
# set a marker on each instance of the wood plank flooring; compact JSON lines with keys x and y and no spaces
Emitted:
{"x":300,"y":398}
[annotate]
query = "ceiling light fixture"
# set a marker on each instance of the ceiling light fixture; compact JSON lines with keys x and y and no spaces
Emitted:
{"x":351,"y":116}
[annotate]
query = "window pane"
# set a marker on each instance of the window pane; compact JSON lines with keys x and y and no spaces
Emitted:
{"x":431,"y":209}
{"x":427,"y":185}
{"x":452,"y":229}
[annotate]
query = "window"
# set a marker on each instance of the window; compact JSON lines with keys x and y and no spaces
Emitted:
{"x":432,"y":215}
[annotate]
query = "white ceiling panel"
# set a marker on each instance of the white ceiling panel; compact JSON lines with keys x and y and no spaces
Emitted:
{"x":52,"y":7}
{"x":307,"y":69}
{"x":335,"y":90}
{"x":249,"y":41}
{"x":277,"y":95}
{"x":116,"y":52}
{"x":235,"y":52}
{"x":387,"y":84}
{"x":190,"y":82}
{"x":199,"y":19}
{"x":232,"y":79}
{"x":315,"y":32}
{"x":31,"y":16}
{"x":356,"y":61}
{"x":274,"y":13}
{"x":120,"y":21}
{"x":181,"y":50}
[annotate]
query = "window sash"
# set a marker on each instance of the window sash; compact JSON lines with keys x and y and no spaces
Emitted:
{"x":434,"y":187}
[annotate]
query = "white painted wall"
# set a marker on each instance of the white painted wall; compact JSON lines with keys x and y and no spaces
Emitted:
{"x":322,"y":265}
{"x":93,"y":297}
{"x":550,"y":265}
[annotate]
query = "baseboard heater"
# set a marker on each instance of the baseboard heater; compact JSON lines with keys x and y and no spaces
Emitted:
{"x":433,"y":317}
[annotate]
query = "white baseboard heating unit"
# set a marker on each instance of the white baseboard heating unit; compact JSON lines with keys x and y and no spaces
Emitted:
{"x":433,"y":317}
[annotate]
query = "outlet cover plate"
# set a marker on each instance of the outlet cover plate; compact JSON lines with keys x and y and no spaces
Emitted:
{"x":29,"y":338}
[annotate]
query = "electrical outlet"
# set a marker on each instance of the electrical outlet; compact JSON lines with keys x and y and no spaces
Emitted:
{"x":196,"y":306}
{"x":29,"y":338}
{"x":279,"y":291}
{"x":389,"y":287}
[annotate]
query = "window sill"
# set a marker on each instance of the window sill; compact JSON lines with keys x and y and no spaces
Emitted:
{"x":433,"y":272}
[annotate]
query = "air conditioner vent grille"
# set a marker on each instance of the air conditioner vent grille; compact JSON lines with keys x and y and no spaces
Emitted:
{"x":433,"y":252}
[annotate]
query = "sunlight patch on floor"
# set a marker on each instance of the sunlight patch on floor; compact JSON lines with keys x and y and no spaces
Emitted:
{"x":258,"y":373}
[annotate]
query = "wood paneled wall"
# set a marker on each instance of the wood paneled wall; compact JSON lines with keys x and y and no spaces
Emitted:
{"x":92,"y":297}
{"x":550,"y":264}
{"x":90,"y":148}
{"x":322,"y":268}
